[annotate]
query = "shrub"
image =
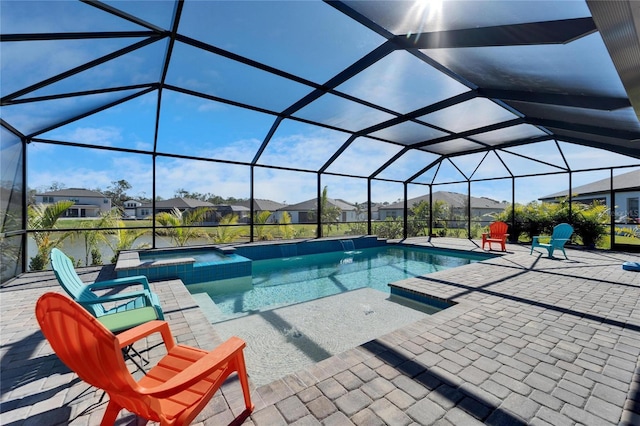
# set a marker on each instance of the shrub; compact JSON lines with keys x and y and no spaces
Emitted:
{"x":389,"y":228}
{"x":590,"y":223}
{"x":517,"y":222}
{"x":538,"y":218}
{"x":358,"y":228}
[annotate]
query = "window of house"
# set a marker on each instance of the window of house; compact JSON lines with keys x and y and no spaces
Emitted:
{"x":632,"y":206}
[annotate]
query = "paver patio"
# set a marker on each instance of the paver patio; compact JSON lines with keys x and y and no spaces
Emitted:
{"x":531,"y":340}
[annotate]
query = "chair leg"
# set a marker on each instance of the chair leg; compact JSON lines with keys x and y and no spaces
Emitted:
{"x":110,"y":414}
{"x":244,"y":381}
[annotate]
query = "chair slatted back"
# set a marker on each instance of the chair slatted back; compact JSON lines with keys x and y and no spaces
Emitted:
{"x":83,"y":344}
{"x":71,"y":283}
{"x":561,"y":233}
{"x":498,"y":229}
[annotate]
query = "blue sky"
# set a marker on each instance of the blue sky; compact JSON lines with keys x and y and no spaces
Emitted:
{"x":194,"y":126}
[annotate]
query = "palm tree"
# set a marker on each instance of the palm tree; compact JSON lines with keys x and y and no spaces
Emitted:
{"x":95,"y":234}
{"x":125,"y":239}
{"x":224,"y":232}
{"x":419,"y":224}
{"x":43,"y":218}
{"x":259,"y":221}
{"x":440,"y":211}
{"x":330,"y":214}
{"x":286,"y":230}
{"x":180,"y":232}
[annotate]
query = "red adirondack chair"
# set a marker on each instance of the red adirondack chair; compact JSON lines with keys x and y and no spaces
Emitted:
{"x":173,"y":392}
{"x":497,"y":234}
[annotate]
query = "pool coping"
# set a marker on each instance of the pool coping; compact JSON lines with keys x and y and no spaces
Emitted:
{"x":131,"y":260}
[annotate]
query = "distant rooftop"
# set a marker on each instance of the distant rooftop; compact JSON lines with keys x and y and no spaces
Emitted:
{"x":452,"y":198}
{"x":313,"y":205}
{"x":629,"y":180}
{"x":180,"y":203}
{"x":73,"y":192}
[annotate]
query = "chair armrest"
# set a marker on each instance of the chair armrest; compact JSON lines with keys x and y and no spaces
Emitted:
{"x":138,"y":279}
{"x":134,"y":334}
{"x":115,"y":297}
{"x":203,"y":367}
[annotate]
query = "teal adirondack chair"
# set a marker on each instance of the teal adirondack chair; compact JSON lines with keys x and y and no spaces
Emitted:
{"x":561,"y":234}
{"x":142,"y":305}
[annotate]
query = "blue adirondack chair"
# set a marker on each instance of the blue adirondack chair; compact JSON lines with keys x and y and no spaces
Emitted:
{"x":141,"y":306}
{"x":561,"y":234}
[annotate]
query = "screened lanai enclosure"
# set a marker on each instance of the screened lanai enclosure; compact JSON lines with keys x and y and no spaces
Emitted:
{"x":237,"y":121}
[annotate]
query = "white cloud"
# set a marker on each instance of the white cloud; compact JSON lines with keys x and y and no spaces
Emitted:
{"x":103,"y":136}
{"x":302,"y":151}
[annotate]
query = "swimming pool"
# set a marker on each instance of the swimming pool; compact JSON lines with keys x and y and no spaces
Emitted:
{"x":199,"y":256}
{"x":290,"y":280}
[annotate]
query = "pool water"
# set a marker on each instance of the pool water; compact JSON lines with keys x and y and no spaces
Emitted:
{"x":200,"y":256}
{"x":291,"y":280}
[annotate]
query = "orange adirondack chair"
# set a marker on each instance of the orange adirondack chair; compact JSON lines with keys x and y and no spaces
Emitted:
{"x":173,"y":392}
{"x":497,"y":234}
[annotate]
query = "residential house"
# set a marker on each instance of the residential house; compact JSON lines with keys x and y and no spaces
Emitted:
{"x":305,"y":212}
{"x":481,"y":207}
{"x":375,"y":211}
{"x":222,"y":210}
{"x":626,"y":188}
{"x":261,"y":205}
{"x":130,"y":207}
{"x":362,"y":214}
{"x":87,"y":203}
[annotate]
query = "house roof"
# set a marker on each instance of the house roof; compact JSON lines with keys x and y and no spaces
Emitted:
{"x":263,"y":205}
{"x":452,"y":198}
{"x":179,"y":203}
{"x":235,"y":208}
{"x":312,"y":204}
{"x":73,"y":192}
{"x":630,"y":180}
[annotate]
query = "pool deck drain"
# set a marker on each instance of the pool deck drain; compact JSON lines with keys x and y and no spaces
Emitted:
{"x":532,"y":340}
